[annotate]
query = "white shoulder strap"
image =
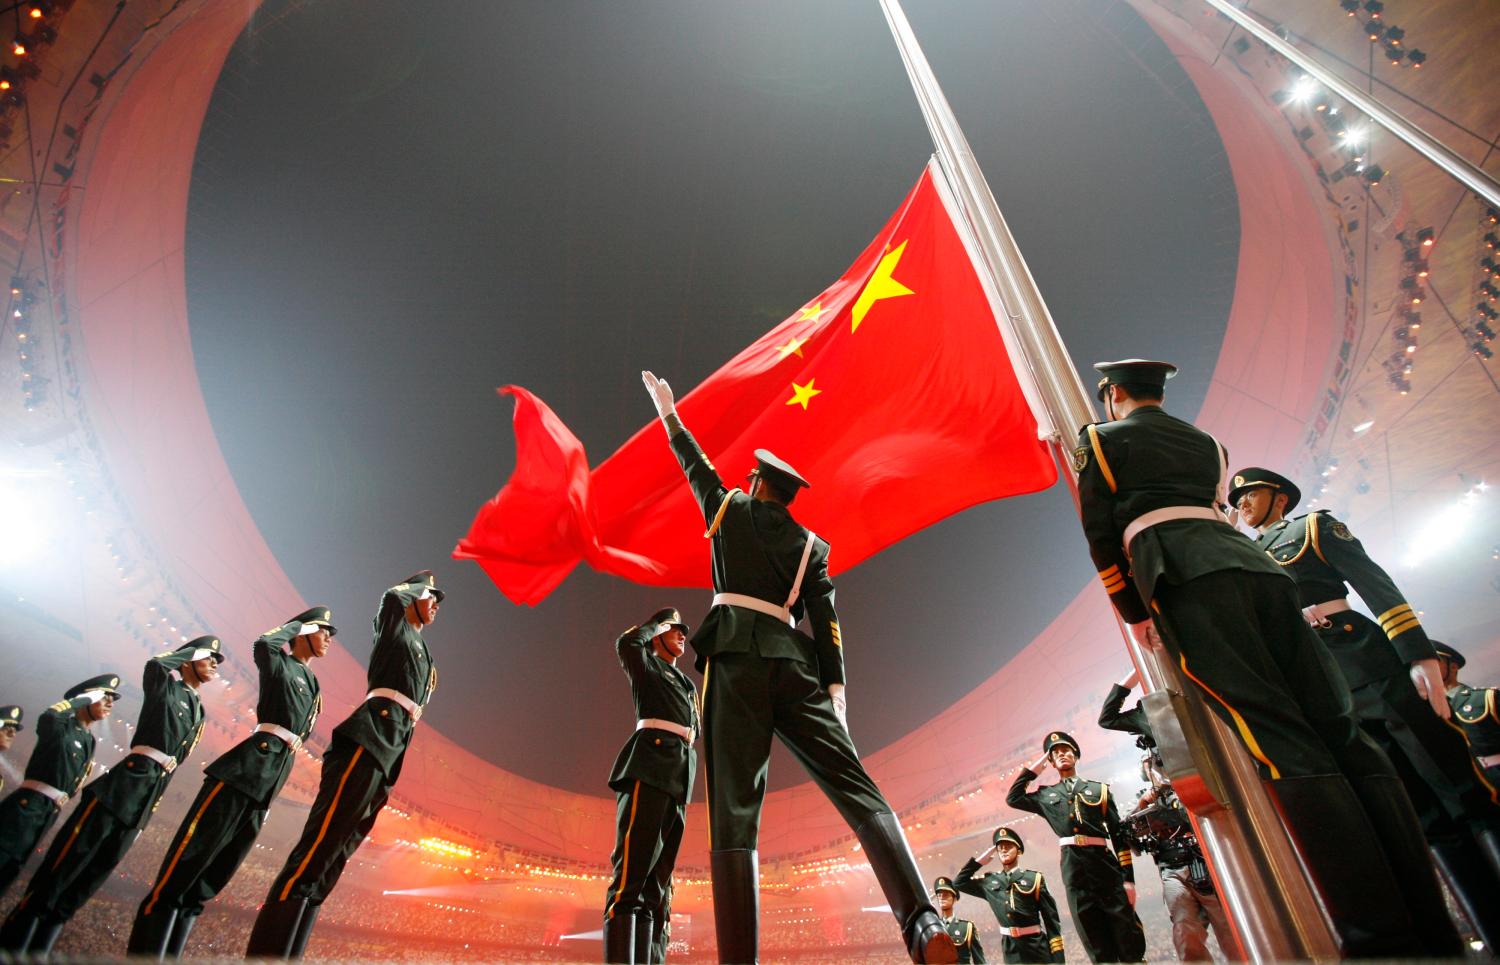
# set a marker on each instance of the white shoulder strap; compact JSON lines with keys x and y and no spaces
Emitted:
{"x":801,"y":570}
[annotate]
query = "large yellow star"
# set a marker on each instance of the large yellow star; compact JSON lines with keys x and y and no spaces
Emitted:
{"x":881,"y":285}
{"x":802,"y":393}
{"x":814,"y":313}
{"x":793,"y":347}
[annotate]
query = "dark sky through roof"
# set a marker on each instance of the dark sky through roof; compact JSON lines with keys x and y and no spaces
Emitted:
{"x":397,"y":208}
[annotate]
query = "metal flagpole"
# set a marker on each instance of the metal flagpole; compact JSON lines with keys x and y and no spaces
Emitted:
{"x":1470,"y":175}
{"x":1263,"y":885}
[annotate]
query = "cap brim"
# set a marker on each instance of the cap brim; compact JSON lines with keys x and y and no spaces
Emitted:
{"x":333,"y":631}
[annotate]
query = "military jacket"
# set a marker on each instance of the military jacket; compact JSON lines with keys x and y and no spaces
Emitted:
{"x":64,"y":751}
{"x":399,"y":662}
{"x":1146,"y":461}
{"x":1113,"y":716}
{"x":966,"y":937}
{"x":1019,"y":898}
{"x":260,"y":764}
{"x":1087,"y":809}
{"x":1475,"y":711}
{"x":756,"y":548}
{"x":1320,"y":553}
{"x":171,"y":721}
{"x":662,"y":692}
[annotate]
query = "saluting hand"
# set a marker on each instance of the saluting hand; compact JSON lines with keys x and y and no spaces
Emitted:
{"x":986,"y":856}
{"x":661,"y":394}
{"x":1427,"y":676}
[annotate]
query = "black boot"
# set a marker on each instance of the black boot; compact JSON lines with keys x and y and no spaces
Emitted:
{"x":45,"y":936}
{"x":15,"y":934}
{"x":736,"y":888}
{"x":1336,"y":843}
{"x":275,"y":929}
{"x":304,"y":929}
{"x":150,"y":934}
{"x":643,"y":920}
{"x":1470,"y":880}
{"x":1488,"y":840}
{"x":890,"y":858}
{"x":1400,"y":833}
{"x":658,"y":954}
{"x":619,"y":940}
{"x":180,"y":933}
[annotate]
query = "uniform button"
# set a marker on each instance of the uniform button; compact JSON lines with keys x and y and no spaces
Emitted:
{"x":658,"y":740}
{"x":263,"y":745}
{"x":1348,"y":628}
{"x":385,"y":713}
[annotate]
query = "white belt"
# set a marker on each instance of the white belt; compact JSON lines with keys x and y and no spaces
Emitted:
{"x":1023,"y":930}
{"x":167,"y":761}
{"x":287,"y":737}
{"x":1487,"y":761}
{"x":1167,"y":513}
{"x":1083,"y":841}
{"x":671,"y":727}
{"x":754,"y":603}
{"x":411,"y":706}
{"x":46,"y":790}
{"x":1318,"y":613}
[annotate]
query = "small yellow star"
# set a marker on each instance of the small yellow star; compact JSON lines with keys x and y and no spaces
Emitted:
{"x":802,"y":393}
{"x":793,"y":347}
{"x":814,"y":313}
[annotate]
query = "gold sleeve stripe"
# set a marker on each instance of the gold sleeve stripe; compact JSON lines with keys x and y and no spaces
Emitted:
{"x":1114,"y":584}
{"x":1113,"y":570}
{"x":838,"y":640}
{"x":1109,"y":476}
{"x":1393,"y":615}
{"x":1396,"y":629}
{"x":1125,"y":858}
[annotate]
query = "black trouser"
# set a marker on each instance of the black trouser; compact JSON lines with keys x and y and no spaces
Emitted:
{"x":648,"y":832}
{"x":351,"y":791}
{"x":83,"y":854}
{"x":1026,"y":950}
{"x":747,"y":699}
{"x":1106,"y":924}
{"x":215,"y":836}
{"x":1242,"y":639}
{"x":25,"y":817}
{"x":1452,"y":795}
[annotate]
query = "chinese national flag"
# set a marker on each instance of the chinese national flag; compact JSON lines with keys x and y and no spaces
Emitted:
{"x":891,"y":392}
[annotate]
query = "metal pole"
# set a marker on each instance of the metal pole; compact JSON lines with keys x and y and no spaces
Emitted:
{"x":1265,"y":891}
{"x":1468,"y":174}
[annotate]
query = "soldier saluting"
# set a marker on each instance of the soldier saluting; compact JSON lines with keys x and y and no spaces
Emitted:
{"x":1100,"y":883}
{"x":965,"y":936}
{"x":114,"y":809}
{"x":653,"y":780}
{"x":12,"y":722}
{"x":1395,"y":678}
{"x":762,"y":676}
{"x":360,"y":767}
{"x":222,"y":823}
{"x":59,"y":764}
{"x":1023,"y":906}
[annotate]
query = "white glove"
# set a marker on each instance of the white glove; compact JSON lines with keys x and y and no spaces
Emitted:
{"x":661,"y":394}
{"x":987,"y":856}
{"x":1427,"y":676}
{"x":94,"y":696}
{"x":1130,"y":892}
{"x":840,"y":704}
{"x":1145,"y":635}
{"x":201,"y":654}
{"x":308,"y":629}
{"x":657,"y":629}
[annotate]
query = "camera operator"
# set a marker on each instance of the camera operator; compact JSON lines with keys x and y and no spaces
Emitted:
{"x":1159,"y":826}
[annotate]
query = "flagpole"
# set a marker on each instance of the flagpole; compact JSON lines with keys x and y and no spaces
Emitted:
{"x":1268,"y":897}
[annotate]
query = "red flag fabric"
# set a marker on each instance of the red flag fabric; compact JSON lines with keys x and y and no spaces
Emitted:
{"x":891,"y":392}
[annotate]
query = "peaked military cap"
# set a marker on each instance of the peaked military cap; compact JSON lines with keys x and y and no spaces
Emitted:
{"x":1058,"y":737}
{"x":1002,"y":835}
{"x":1448,"y":652}
{"x":1252,"y":477}
{"x":1134,"y":371}
{"x":768,"y":465}
{"x":670,"y":617}
{"x":944,"y":883}
{"x":318,"y":616}
{"x":207,"y":642}
{"x":425,"y":578}
{"x":107,"y":682}
{"x":10,"y":716}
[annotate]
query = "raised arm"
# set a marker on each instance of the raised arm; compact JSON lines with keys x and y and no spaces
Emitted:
{"x":967,"y":880}
{"x":1018,"y":797}
{"x":631,"y":647}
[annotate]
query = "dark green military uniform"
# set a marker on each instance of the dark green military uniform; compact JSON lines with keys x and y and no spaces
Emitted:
{"x":653,"y":781}
{"x":360,"y":767}
{"x":1229,"y":618}
{"x":1022,"y":905}
{"x":12,"y":719}
{"x":222,"y":823}
{"x":1082,"y":814}
{"x":59,"y":764}
{"x":965,"y":936}
{"x":113,"y":809}
{"x":1477,"y":711}
{"x":763,"y":676}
